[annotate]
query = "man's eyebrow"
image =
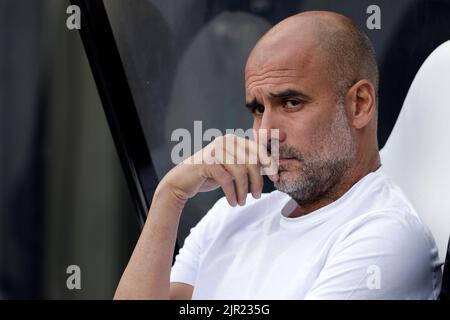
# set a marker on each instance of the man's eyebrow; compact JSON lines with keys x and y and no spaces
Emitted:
{"x":252,"y":104}
{"x":290,"y":93}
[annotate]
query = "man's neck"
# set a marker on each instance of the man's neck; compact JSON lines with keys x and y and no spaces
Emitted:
{"x":359,"y":170}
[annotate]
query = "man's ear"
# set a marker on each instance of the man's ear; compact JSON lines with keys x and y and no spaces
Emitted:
{"x":361,"y":101}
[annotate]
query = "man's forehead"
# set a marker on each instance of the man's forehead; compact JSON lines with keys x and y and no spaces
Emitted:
{"x":282,"y":55}
{"x":280,"y":62}
{"x":278,"y":67}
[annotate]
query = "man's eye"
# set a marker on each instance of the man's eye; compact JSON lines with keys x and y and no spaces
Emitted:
{"x":258,"y":110}
{"x":290,"y":104}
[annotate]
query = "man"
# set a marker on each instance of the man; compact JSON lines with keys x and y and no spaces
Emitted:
{"x":336,"y":228}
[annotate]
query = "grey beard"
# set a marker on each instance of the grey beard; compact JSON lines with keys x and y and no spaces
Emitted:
{"x":321,"y":172}
{"x":316,"y":181}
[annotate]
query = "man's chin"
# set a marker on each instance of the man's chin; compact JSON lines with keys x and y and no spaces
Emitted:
{"x":285,"y":182}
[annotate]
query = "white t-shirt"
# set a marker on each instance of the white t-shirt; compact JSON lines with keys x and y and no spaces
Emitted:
{"x":368,"y":244}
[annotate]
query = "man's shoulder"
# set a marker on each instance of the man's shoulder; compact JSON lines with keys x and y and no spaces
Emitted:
{"x":395,"y":230}
{"x":387,"y":219}
{"x":382,"y":211}
{"x":381,"y":199}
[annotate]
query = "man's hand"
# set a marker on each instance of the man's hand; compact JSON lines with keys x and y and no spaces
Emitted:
{"x":228,"y":162}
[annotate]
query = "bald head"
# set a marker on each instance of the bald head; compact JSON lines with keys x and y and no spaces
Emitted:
{"x":332,"y":39}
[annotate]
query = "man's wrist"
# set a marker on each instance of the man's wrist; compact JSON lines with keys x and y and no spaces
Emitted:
{"x":166,"y":195}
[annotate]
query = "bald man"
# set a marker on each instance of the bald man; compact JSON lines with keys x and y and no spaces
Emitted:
{"x":336,"y":227}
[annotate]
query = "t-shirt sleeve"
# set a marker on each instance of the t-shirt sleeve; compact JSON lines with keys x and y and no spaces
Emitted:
{"x":383,"y":258}
{"x":187,"y":260}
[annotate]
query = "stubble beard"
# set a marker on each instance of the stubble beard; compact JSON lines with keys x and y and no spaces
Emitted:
{"x":316,"y":174}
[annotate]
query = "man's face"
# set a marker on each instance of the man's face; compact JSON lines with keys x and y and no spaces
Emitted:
{"x":290,"y":90}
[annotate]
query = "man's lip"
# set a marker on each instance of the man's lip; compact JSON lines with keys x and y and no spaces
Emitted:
{"x":284,"y":160}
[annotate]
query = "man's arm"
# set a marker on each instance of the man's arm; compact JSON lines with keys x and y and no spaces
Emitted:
{"x":148,"y":272}
{"x":147,"y":275}
{"x":181,"y":291}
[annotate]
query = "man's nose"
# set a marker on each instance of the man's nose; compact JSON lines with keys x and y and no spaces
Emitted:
{"x":270,"y":125}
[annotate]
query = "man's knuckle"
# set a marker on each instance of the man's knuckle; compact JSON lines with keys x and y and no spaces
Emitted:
{"x":224,"y":176}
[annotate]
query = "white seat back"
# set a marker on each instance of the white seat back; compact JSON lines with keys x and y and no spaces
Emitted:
{"x":417,"y":153}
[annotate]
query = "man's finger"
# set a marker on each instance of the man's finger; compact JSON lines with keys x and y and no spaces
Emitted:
{"x":253,"y":168}
{"x":225,"y":180}
{"x":240,"y":175}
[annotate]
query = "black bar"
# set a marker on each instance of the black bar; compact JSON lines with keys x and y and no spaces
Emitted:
{"x":118,"y":103}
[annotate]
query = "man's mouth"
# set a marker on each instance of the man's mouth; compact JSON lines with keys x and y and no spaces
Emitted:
{"x":283,"y":161}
